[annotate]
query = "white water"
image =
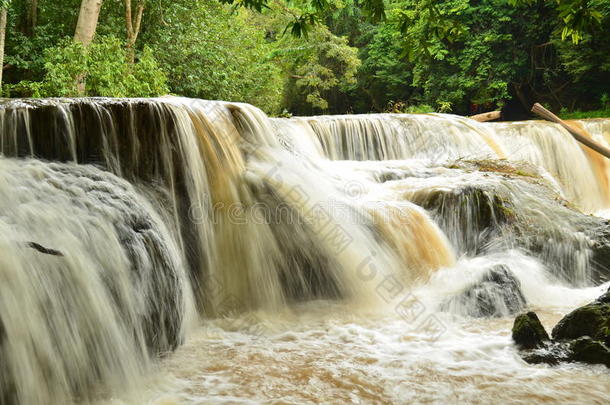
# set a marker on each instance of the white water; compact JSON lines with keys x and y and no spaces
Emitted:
{"x":317,"y":274}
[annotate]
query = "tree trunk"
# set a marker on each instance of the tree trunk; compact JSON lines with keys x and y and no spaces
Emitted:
{"x":3,"y":18}
{"x":577,"y":133}
{"x":85,"y":31}
{"x":87,"y":21}
{"x":133,"y":27}
{"x":488,"y":116}
{"x":32,"y":17}
{"x":521,"y":96}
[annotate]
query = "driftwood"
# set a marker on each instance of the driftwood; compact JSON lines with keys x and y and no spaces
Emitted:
{"x":577,"y":133}
{"x":488,"y":116}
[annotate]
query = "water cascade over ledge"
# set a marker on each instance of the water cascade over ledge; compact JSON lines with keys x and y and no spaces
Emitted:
{"x":128,"y":222}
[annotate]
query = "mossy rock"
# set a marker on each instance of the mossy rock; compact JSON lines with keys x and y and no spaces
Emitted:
{"x":581,"y":336}
{"x":499,"y":166}
{"x":587,"y":350}
{"x":592,"y":320}
{"x":528,"y":332}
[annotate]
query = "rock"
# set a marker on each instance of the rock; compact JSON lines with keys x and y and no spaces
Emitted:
{"x":528,"y":332}
{"x":600,"y":268}
{"x":587,"y":350}
{"x":604,"y":298}
{"x":551,"y":353}
{"x":598,"y":234}
{"x":582,"y":336}
{"x":583,"y":350}
{"x":388,"y":175}
{"x":45,"y":250}
{"x":592,"y":320}
{"x":475,"y":217}
{"x":480,"y":211}
{"x":496,"y":294}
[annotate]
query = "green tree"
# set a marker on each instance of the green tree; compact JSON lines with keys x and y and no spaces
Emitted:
{"x":316,"y":68}
{"x":319,"y":66}
{"x":4,"y":5}
{"x":576,"y":18}
{"x":133,"y":25}
{"x":104,"y":64}
{"x":212,"y":53}
{"x":314,"y":56}
{"x":586,"y":63}
{"x":469,"y":54}
{"x":386,"y":75}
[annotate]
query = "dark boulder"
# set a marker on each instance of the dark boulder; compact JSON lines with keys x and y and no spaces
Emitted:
{"x":582,"y":350}
{"x":528,"y":332}
{"x":587,"y":350}
{"x":583,"y":336}
{"x":496,"y":294}
{"x":591,"y":320}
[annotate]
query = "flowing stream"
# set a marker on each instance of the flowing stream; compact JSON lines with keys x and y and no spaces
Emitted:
{"x":181,"y":251}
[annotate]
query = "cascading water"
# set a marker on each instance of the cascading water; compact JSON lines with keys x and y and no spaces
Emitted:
{"x":93,"y":283}
{"x":329,"y":259}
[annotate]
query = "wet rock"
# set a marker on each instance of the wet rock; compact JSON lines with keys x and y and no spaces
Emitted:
{"x":496,"y":294}
{"x":591,"y":320}
{"x":122,"y":295}
{"x":587,"y":350}
{"x":600,"y":256}
{"x":304,"y":274}
{"x":582,"y":350}
{"x":519,"y":209}
{"x":551,"y":353}
{"x":386,"y":176}
{"x":477,"y":212}
{"x":45,"y":250}
{"x":604,"y":298}
{"x":581,"y":336}
{"x":528,"y":332}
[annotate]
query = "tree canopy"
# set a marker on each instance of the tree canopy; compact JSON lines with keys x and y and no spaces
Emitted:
{"x":316,"y":56}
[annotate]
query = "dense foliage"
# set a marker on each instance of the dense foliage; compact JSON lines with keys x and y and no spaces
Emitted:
{"x":103,"y":63}
{"x":209,"y":52}
{"x":315,"y":56}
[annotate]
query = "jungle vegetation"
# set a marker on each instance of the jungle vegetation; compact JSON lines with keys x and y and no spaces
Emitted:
{"x":314,"y":56}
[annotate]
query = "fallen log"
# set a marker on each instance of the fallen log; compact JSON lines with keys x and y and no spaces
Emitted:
{"x":577,"y":133}
{"x":488,"y":116}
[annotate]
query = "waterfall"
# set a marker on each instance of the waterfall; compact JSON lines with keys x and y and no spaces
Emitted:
{"x":93,"y":282}
{"x":125,"y":219}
